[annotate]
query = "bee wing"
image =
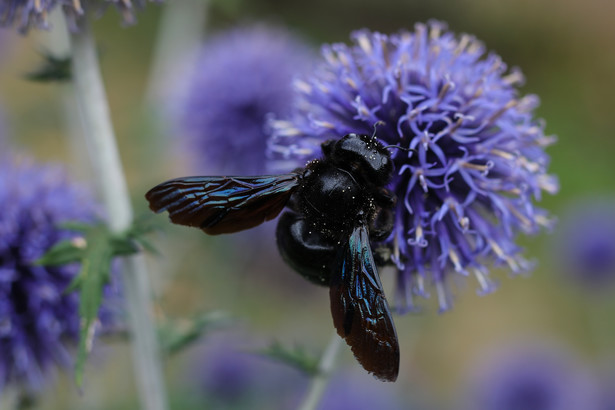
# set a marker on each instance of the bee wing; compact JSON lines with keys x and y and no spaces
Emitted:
{"x":223,"y":204}
{"x":360,"y":311}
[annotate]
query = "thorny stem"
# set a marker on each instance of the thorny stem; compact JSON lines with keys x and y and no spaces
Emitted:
{"x":110,"y":177}
{"x":319,"y":382}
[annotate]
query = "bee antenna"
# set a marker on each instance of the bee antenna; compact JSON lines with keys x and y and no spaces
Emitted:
{"x":402,"y":148}
{"x":376,"y":124}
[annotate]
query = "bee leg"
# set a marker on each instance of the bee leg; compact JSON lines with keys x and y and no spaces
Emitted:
{"x":381,"y":225}
{"x":305,"y":249}
{"x":385,"y":198}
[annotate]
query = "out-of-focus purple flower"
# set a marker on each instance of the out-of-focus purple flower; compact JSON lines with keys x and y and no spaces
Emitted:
{"x":3,"y":132}
{"x":237,"y":79}
{"x":586,"y":243}
{"x":479,"y":163}
{"x":354,"y":391}
{"x":26,"y":14}
{"x":228,"y":376}
{"x":532,"y":378}
{"x":606,"y":392}
{"x":38,"y":321}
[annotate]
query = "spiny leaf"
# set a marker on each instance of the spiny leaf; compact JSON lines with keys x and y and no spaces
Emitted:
{"x":95,"y":250}
{"x":71,"y":250}
{"x":296,"y":357}
{"x":142,"y":226}
{"x":75,"y":226}
{"x":178,"y":335}
{"x":52,"y":69}
{"x":93,"y":276}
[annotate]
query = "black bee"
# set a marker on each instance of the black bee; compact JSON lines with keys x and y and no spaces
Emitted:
{"x":336,"y":206}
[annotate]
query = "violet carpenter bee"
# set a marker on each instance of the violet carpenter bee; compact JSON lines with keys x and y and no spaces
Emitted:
{"x":336,"y":206}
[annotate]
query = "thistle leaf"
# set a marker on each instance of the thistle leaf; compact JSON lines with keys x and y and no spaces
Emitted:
{"x":296,"y":357}
{"x":95,"y":250}
{"x":178,"y":335}
{"x":51,"y":69}
{"x":63,"y":252}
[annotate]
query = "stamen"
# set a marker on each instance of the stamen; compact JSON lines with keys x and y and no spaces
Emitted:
{"x":435,"y":31}
{"x":527,"y":164}
{"x":351,"y":83}
{"x":501,"y":111}
{"x":463,"y":43}
{"x":500,"y":253}
{"x":302,"y":86}
{"x":324,"y":124}
{"x":503,"y":154}
{"x":447,"y":86}
{"x":514,"y":78}
{"x":364,"y":43}
{"x":77,"y":6}
{"x":486,"y":284}
{"x":442,"y":297}
{"x":456,"y":262}
{"x":385,"y":52}
{"x":323,"y":88}
{"x":519,"y":215}
{"x":343,"y":59}
{"x":482,"y":168}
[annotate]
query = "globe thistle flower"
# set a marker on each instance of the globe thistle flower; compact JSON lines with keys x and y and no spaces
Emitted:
{"x":38,"y":321}
{"x":532,"y":378}
{"x":477,"y":164}
{"x":26,"y":14}
{"x":226,"y":374}
{"x":606,"y":395}
{"x":237,"y":79}
{"x":585,"y":247}
{"x":350,"y":390}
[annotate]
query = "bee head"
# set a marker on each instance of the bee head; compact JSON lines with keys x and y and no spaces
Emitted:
{"x":362,"y":155}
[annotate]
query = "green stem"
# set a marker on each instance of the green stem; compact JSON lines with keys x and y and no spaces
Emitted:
{"x":108,"y":171}
{"x":319,"y":382}
{"x":180,"y":32}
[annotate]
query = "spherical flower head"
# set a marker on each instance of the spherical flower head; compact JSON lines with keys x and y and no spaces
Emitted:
{"x":38,"y":321}
{"x":533,"y":378}
{"x":477,"y":159}
{"x":238,"y":78}
{"x":586,"y":243}
{"x":350,"y":390}
{"x":606,"y":395}
{"x":3,"y":132}
{"x":26,"y":14}
{"x":227,"y":373}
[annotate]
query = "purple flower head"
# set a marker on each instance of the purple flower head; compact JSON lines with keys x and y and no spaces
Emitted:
{"x":606,"y":395}
{"x":533,"y":378}
{"x":238,"y":78}
{"x":3,"y":130}
{"x":586,"y":244}
{"x":26,"y":14}
{"x":349,"y":390}
{"x":227,"y":374}
{"x":478,"y":162}
{"x":38,"y":321}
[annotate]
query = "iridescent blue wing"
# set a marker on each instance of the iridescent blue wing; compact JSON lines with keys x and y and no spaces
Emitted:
{"x":360,"y":311}
{"x":223,"y":204}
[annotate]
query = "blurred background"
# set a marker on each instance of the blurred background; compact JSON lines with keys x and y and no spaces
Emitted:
{"x":566,"y":49}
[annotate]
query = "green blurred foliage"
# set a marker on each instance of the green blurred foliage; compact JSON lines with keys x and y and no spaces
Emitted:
{"x":565,"y":48}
